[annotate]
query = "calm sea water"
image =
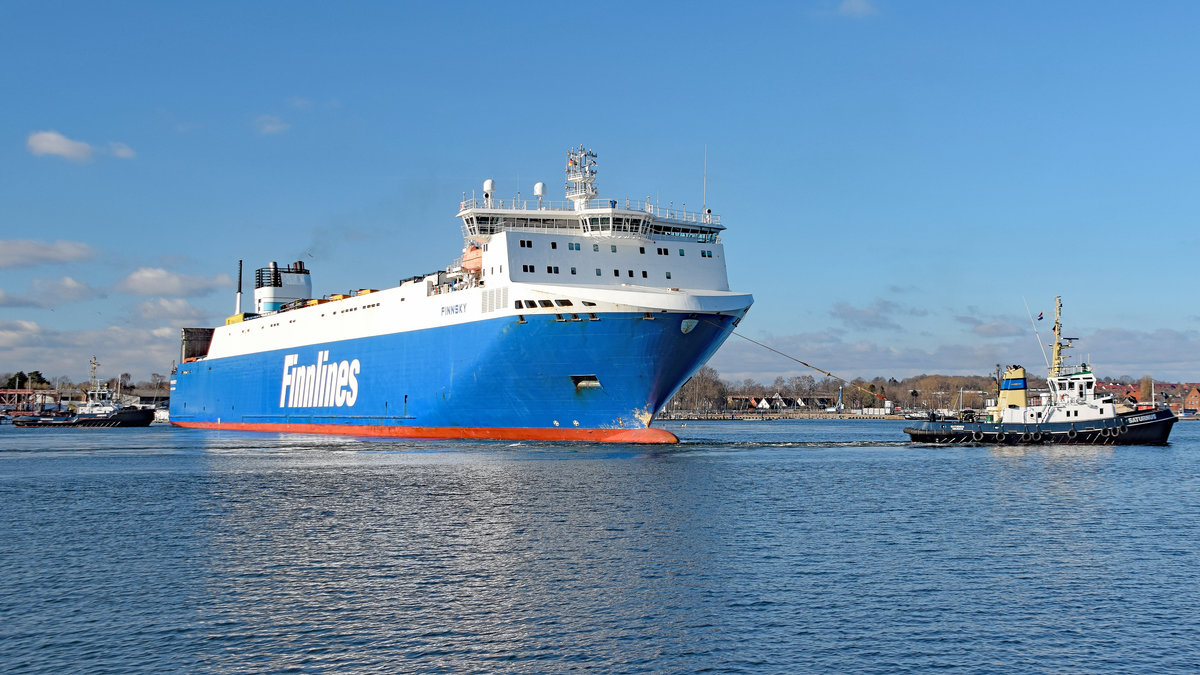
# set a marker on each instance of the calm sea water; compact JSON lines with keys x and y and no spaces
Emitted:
{"x":799,"y":546}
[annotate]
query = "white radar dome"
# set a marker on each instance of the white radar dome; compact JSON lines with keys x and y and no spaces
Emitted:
{"x":539,"y":189}
{"x":489,"y":185}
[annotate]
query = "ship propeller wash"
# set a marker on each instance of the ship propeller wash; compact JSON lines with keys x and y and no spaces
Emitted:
{"x":570,"y":320}
{"x":1071,"y":412}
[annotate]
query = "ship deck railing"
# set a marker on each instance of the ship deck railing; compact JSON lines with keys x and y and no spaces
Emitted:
{"x":669,"y":212}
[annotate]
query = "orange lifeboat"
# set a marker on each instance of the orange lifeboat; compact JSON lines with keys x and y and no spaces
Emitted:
{"x":472,"y":259}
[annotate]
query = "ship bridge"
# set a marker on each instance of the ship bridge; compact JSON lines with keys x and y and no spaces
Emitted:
{"x":582,"y":213}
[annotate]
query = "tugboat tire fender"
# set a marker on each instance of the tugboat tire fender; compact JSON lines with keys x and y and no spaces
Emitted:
{"x":1071,"y":433}
{"x":977,"y":436}
{"x":1025,"y":438}
{"x":1036,"y":437}
{"x":1001,"y":437}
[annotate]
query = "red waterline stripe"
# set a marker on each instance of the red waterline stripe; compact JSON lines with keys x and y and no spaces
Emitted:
{"x":496,"y":434}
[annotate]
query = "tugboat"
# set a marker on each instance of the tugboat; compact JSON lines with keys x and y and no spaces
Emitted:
{"x":101,"y":409}
{"x":1072,"y":412}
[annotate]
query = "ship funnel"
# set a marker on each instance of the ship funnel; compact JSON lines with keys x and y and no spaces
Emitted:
{"x":237,"y":307}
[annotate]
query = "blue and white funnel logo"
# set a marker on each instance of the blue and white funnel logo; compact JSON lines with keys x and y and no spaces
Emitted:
{"x":324,"y":384}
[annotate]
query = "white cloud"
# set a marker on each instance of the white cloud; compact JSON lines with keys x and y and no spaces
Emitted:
{"x":24,"y":345}
{"x":121,"y":150}
{"x":299,"y":102}
{"x":270,"y":124}
{"x":157,"y":281}
{"x":63,"y":290}
{"x":27,"y":253}
{"x":7,"y":300}
{"x":54,"y":143}
{"x":998,"y":329}
{"x":1164,"y":353}
{"x":877,"y":315}
{"x":164,"y":309}
{"x":857,"y":8}
{"x":17,"y":333}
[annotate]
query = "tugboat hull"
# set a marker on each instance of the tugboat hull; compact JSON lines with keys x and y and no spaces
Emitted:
{"x":1144,"y":427}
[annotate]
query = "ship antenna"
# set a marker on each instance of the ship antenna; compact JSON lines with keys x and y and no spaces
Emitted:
{"x":704,"y":194}
{"x":1036,"y":335}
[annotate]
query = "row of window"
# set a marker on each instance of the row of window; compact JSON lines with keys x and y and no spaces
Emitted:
{"x":573,"y":246}
{"x":534,"y":304}
{"x":553,"y":269}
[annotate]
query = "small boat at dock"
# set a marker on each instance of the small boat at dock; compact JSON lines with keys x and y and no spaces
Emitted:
{"x":102,"y":408}
{"x":1072,"y":412}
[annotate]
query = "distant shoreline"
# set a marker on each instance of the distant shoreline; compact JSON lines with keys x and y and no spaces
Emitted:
{"x":744,"y":415}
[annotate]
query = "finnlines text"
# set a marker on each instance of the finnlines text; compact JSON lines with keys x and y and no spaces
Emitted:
{"x":323,"y":384}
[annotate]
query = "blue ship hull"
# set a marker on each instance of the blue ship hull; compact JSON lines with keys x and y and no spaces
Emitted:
{"x":535,"y":378}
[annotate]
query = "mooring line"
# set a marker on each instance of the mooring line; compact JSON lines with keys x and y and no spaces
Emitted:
{"x":803,"y":363}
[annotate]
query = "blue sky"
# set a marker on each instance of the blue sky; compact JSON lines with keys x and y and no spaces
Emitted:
{"x":897,"y":178}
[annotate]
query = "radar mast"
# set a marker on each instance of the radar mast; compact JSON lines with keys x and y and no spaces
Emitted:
{"x":581,"y":176}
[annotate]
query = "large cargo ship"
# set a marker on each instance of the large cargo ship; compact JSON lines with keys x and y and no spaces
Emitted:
{"x":571,"y":320}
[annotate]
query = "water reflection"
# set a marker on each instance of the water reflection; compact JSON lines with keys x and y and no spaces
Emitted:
{"x":461,"y":558}
{"x":756,"y":547}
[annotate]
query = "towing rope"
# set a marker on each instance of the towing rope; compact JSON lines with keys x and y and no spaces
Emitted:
{"x":789,"y":356}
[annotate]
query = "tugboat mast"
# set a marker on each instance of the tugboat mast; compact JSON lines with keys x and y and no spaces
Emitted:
{"x":1059,"y":345}
{"x":94,"y":383}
